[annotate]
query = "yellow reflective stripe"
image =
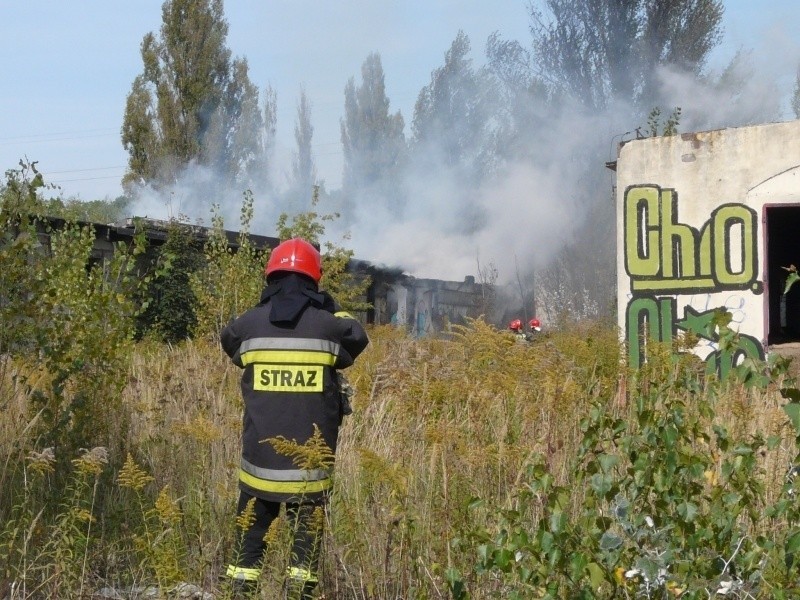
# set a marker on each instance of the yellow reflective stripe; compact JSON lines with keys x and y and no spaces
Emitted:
{"x":288,"y":357}
{"x":284,"y":487}
{"x":301,"y":574}
{"x":245,"y":573}
{"x":343,"y":314}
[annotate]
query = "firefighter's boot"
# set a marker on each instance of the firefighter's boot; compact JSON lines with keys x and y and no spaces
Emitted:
{"x":243,"y":589}
{"x":300,"y":584}
{"x":243,"y":582}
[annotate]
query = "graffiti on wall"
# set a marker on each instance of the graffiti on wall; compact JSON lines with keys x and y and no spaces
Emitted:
{"x":667,"y":261}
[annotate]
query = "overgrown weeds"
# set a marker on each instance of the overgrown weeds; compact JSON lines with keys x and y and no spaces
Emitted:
{"x":472,"y":466}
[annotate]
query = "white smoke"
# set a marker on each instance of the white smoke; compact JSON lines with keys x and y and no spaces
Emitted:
{"x":531,"y":208}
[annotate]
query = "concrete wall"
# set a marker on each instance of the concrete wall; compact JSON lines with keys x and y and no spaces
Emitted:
{"x":423,"y":307}
{"x":690,"y":234}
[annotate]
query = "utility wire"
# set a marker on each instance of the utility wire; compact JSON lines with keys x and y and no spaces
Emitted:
{"x":57,"y":137}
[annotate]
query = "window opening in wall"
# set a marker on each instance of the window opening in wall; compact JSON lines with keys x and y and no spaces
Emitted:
{"x":782,"y":230}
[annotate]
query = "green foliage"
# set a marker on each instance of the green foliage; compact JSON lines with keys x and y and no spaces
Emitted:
{"x":70,"y":313}
{"x":92,"y":211}
{"x":453,"y":115}
{"x":599,"y":51}
{"x":664,"y":502}
{"x":372,"y":139}
{"x":348,"y":289}
{"x":62,"y":567}
{"x":169,"y":311}
{"x":791,"y":278}
{"x":192,"y":102}
{"x":83,"y":330}
{"x":304,"y":173}
{"x":231,"y":282}
{"x":20,"y":195}
{"x":20,"y":204}
{"x":669,"y":127}
{"x":157,"y":544}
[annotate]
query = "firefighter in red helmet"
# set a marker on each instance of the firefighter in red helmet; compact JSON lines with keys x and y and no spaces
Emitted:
{"x":516,"y":328}
{"x":535,"y":325}
{"x":290,"y":347}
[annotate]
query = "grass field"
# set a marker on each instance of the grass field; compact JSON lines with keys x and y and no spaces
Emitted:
{"x":472,"y":467}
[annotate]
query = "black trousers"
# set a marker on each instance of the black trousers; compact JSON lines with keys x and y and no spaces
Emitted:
{"x":306,"y":529}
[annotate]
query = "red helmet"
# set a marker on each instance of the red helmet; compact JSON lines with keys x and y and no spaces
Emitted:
{"x":295,"y":255}
{"x":535,"y":324}
{"x":515,"y":325}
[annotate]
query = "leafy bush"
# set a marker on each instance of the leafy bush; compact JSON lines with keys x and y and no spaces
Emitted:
{"x":169,"y":300}
{"x":74,"y":316}
{"x":231,"y":282}
{"x":663,"y":501}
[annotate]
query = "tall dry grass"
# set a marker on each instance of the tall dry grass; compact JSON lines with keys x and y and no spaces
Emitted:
{"x":437,"y":423}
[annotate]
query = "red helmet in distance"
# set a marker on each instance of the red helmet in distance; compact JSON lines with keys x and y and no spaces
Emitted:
{"x":297,"y":256}
{"x":535,"y":325}
{"x":515,"y":325}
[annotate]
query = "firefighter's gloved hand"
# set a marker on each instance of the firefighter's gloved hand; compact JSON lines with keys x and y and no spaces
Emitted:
{"x":346,"y":392}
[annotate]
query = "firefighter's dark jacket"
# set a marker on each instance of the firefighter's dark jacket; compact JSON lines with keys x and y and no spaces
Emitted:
{"x":290,"y":346}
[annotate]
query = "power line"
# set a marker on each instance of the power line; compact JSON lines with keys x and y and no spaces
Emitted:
{"x":60,"y":181}
{"x":58,"y":137}
{"x":83,"y":170}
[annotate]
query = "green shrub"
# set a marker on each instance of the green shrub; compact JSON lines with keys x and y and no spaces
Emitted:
{"x":661,"y":501}
{"x":231,"y":282}
{"x":169,"y":300}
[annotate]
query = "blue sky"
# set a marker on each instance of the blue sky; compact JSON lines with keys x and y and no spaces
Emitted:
{"x":68,"y":66}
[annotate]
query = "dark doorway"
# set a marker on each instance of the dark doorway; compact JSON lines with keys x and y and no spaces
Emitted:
{"x":783,"y":249}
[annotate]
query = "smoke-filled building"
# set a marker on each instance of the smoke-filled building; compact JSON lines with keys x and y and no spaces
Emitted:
{"x":709,"y":220}
{"x":420,"y":306}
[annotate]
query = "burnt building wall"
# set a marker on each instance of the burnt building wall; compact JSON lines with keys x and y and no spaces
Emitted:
{"x":422,"y":307}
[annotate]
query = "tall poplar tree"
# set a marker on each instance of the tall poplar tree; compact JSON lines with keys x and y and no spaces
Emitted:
{"x":372,"y":139}
{"x":452,"y":116}
{"x":600,"y":50}
{"x":595,"y":55}
{"x":304,"y":172}
{"x":191,"y":102}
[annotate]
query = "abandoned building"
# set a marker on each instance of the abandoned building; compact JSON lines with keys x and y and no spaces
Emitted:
{"x":709,"y":220}
{"x":422,"y":307}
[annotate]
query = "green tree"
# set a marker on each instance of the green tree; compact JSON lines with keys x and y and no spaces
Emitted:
{"x":92,"y":211}
{"x":452,"y":114}
{"x":72,"y":317}
{"x":372,"y":139}
{"x":20,"y":203}
{"x":191,"y":102}
{"x":234,"y":143}
{"x":347,"y":288}
{"x":600,"y":50}
{"x":230,"y":282}
{"x":453,"y":129}
{"x":304,"y":172}
{"x":169,"y":307}
{"x":524,"y":109}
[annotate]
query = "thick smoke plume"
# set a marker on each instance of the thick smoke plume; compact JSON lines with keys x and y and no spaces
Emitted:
{"x":529,"y":209}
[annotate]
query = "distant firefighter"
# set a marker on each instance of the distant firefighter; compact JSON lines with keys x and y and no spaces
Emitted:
{"x":516,"y":328}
